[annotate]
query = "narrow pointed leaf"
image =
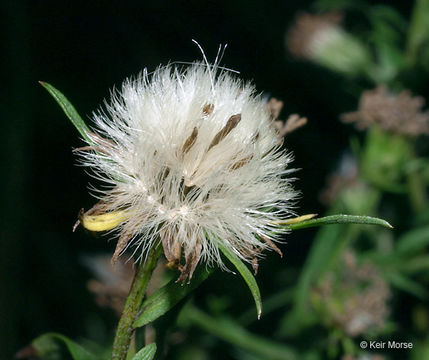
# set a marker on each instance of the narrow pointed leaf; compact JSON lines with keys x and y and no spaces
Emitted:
{"x":418,"y":30}
{"x":69,"y":110}
{"x":147,"y":353}
{"x":44,"y":345}
{"x":413,"y":241}
{"x":230,"y":331}
{"x":339,"y":219}
{"x":168,"y":296}
{"x":246,"y":274}
{"x":404,"y":283}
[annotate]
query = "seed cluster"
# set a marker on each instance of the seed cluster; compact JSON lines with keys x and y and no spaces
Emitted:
{"x":191,"y":159}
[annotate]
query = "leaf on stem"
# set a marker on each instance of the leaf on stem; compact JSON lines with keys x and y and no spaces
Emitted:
{"x":339,"y":219}
{"x":408,"y":285}
{"x":413,"y":241}
{"x":45,"y":345}
{"x":147,"y":353}
{"x":245,"y":273}
{"x":69,"y":110}
{"x":168,"y":296}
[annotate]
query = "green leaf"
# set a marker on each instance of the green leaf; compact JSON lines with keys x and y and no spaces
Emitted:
{"x":69,"y":110}
{"x":45,"y":345}
{"x":415,"y":265}
{"x":340,"y":219}
{"x":147,"y":353}
{"x":414,"y":240}
{"x":274,"y":302}
{"x":230,"y":331}
{"x":168,"y":296}
{"x":418,"y":35}
{"x":245,"y":273}
{"x":405,"y":284}
{"x":330,"y":5}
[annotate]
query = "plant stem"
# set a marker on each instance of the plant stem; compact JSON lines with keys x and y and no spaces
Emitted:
{"x":133,"y":303}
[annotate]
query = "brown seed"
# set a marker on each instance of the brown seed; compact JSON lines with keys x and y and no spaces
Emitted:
{"x":271,"y":245}
{"x":255,"y":265}
{"x":255,"y":137}
{"x":192,"y":258}
{"x":241,"y":163}
{"x":172,"y":250}
{"x":208,"y":109}
{"x":230,"y":125}
{"x":105,"y":145}
{"x":121,"y":245}
{"x":190,"y":141}
{"x":187,"y":189}
{"x":88,"y":148}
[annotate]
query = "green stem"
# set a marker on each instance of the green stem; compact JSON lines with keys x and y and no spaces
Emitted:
{"x":133,"y":303}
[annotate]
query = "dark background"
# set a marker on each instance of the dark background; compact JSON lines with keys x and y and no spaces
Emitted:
{"x":84,"y":49}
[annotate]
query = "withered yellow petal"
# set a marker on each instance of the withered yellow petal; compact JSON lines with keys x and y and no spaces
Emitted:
{"x":103,"y":222}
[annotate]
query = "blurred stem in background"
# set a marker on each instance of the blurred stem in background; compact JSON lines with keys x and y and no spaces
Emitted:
{"x":417,"y":188}
{"x":418,"y":35}
{"x":231,"y":332}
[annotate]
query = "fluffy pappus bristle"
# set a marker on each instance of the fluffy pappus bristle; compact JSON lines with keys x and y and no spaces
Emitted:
{"x":190,"y":158}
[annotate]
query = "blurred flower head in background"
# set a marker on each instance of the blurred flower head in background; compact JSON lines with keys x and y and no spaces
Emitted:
{"x":344,"y":177}
{"x":321,"y":39}
{"x":398,"y":113}
{"x":190,"y":157}
{"x":355,"y":300}
{"x":112,"y":283}
{"x":283,"y":128}
{"x":365,"y":356}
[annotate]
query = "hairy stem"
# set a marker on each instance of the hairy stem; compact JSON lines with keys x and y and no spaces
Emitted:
{"x":125,"y":329}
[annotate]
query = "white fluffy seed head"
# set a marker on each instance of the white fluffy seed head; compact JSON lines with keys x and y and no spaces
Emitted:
{"x":192,"y":158}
